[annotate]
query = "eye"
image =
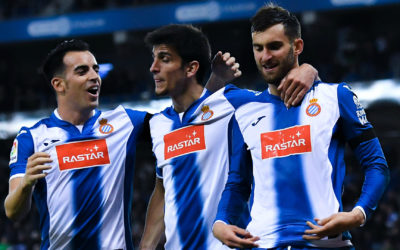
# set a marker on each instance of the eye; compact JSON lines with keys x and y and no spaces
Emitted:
{"x":81,"y":72}
{"x":257,"y":47}
{"x":165,"y":59}
{"x":275,"y":46}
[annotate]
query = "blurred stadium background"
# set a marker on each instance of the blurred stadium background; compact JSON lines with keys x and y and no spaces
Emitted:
{"x":356,"y":41}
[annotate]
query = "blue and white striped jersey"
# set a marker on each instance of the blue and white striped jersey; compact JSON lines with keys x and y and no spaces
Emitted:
{"x":298,"y":162}
{"x":193,"y":159}
{"x":85,"y":200}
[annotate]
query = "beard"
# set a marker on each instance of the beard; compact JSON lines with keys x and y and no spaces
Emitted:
{"x":284,"y":67}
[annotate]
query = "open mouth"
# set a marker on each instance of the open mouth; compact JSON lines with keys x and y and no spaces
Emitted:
{"x":93,"y":90}
{"x":270,"y":66}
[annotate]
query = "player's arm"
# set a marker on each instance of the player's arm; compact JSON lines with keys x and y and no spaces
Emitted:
{"x":18,"y":201}
{"x":235,"y":195}
{"x":154,"y":226}
{"x":296,"y":83}
{"x":224,"y":69}
{"x":370,"y":155}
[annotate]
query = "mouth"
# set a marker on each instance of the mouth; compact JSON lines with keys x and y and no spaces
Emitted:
{"x":94,"y":90}
{"x":269,"y":67}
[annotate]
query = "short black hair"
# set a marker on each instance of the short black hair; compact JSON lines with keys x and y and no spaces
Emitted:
{"x":54,"y":64}
{"x":189,"y":42}
{"x":270,"y":15}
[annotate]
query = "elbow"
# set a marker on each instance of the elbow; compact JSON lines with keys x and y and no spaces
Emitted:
{"x":13,"y":214}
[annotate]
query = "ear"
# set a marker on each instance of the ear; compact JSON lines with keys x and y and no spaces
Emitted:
{"x":298,"y":46}
{"x":191,"y":68}
{"x":58,"y":84}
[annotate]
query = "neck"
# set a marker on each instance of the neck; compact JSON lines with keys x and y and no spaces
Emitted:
{"x":183,"y":100}
{"x":273,"y":89}
{"x":75,"y":117}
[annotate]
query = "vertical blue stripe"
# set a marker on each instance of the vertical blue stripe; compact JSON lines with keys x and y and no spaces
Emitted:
{"x":336,"y":158}
{"x":40,"y":197}
{"x":87,"y":208}
{"x":128,"y":185}
{"x":289,"y":180}
{"x":186,"y":176}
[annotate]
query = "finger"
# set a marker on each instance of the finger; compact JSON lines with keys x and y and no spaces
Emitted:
{"x":237,"y":73}
{"x":312,"y":225}
{"x":226,"y":56}
{"x":299,"y":97}
{"x":312,"y":237}
{"x":289,"y":91}
{"x":37,"y":155}
{"x":235,"y":66}
{"x":240,"y":231}
{"x":218,"y":55}
{"x":325,"y":220}
{"x":38,"y":161}
{"x":242,"y":243}
{"x":230,"y":61}
{"x":293,"y":95}
{"x":282,"y":83}
{"x":38,"y":169}
{"x":38,"y":176}
{"x":283,"y":86}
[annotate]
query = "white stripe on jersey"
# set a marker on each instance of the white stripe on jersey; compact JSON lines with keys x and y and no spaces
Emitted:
{"x":204,"y":171}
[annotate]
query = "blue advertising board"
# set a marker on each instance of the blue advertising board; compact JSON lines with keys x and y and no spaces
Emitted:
{"x":147,"y":17}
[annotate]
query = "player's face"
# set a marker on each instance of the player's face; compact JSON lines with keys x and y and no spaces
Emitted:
{"x":168,"y":71}
{"x":274,"y":53}
{"x":82,"y":80}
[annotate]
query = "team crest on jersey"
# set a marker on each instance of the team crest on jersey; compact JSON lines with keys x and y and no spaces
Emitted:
{"x":105,"y":128}
{"x":82,"y":154}
{"x":207,"y":113}
{"x":313,"y":109}
{"x":14,"y":152}
{"x":184,"y":141}
{"x":285,"y":142}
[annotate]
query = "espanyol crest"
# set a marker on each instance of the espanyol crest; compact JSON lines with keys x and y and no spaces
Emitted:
{"x":105,"y":128}
{"x":313,"y":109}
{"x":207,"y":113}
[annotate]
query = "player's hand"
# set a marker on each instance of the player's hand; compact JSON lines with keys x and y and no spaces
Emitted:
{"x":334,"y":224}
{"x":34,"y":168}
{"x":224,"y":69}
{"x":296,"y":83}
{"x":233,"y":236}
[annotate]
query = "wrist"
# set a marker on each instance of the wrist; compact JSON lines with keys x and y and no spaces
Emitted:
{"x":359,"y":215}
{"x":26,"y":186}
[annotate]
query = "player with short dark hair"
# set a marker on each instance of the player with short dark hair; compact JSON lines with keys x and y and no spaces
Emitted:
{"x":298,"y":169}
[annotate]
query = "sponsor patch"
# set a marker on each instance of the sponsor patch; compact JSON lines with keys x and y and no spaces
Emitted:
{"x":105,"y":128}
{"x":313,"y":109}
{"x":14,"y":152}
{"x":207,"y":113}
{"x":82,"y":154}
{"x":289,"y":141}
{"x":362,"y":116}
{"x":184,"y":141}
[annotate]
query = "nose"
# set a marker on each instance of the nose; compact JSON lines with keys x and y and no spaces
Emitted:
{"x":94,"y":75}
{"x":266,"y":55}
{"x":154,"y":67}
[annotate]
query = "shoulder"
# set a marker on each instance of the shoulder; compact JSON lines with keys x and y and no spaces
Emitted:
{"x":137,"y":117}
{"x":237,"y":96}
